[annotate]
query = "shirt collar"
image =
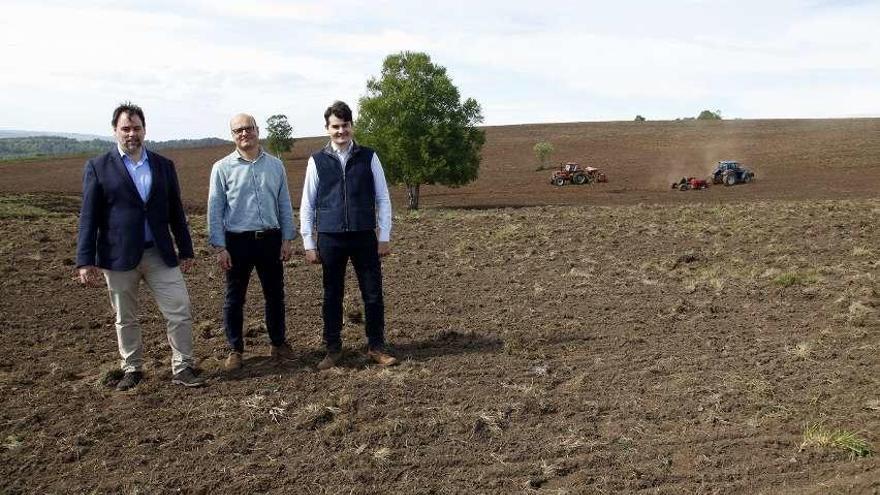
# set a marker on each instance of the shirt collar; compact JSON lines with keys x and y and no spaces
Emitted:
{"x":241,"y":157}
{"x":124,"y":157}
{"x":339,"y":151}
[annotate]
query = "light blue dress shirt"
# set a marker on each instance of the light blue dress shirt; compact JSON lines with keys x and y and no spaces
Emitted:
{"x":248,"y":195}
{"x":143,"y":180}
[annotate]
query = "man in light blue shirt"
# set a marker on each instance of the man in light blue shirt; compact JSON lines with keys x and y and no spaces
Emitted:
{"x":250,"y":225}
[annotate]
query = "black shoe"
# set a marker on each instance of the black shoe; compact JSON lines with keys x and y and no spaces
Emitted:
{"x":129,"y":380}
{"x":187,"y":378}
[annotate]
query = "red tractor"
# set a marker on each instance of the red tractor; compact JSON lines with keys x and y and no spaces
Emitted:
{"x":573,"y":173}
{"x":687,"y":183}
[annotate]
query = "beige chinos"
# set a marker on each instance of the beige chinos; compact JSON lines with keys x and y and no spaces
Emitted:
{"x":169,"y":290}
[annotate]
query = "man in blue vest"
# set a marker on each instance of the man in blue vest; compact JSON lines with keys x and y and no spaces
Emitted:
{"x":131,"y":208}
{"x":345,"y":200}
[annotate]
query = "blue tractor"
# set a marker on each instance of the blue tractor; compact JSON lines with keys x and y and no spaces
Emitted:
{"x":730,"y":172}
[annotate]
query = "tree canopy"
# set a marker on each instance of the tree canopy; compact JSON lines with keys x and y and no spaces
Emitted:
{"x":279,"y":134}
{"x":543,"y":150}
{"x":414,"y":117}
{"x":709,"y":115}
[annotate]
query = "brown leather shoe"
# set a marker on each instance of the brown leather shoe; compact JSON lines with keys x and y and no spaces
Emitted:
{"x":381,"y":357}
{"x":233,"y":361}
{"x":282,"y":352}
{"x":329,"y":360}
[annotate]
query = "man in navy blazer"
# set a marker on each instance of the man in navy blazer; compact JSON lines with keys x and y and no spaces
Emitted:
{"x":131,"y":208}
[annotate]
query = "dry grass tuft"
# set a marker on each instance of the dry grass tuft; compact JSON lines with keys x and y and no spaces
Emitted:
{"x":817,"y":435}
{"x":491,"y":423}
{"x":859,"y":251}
{"x":550,"y":470}
{"x":802,"y":350}
{"x":859,"y":313}
{"x":382,"y":454}
{"x":12,"y":442}
{"x":571,"y":444}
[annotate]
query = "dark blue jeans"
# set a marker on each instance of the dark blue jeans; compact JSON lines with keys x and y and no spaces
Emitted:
{"x":335,"y":250}
{"x":248,"y":251}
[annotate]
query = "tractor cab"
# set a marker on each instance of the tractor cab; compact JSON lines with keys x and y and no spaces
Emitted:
{"x":725,"y":165}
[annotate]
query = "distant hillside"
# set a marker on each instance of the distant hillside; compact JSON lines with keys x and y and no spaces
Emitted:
{"x":36,"y":146}
{"x":16,"y":133}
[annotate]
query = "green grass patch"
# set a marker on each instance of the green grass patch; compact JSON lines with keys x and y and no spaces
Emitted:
{"x":18,"y":207}
{"x":789,"y":279}
{"x":817,"y":435}
{"x":37,"y":205}
{"x":12,"y":442}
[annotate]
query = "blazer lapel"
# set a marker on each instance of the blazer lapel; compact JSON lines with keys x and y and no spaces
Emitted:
{"x":155,"y":173}
{"x":120,"y":167}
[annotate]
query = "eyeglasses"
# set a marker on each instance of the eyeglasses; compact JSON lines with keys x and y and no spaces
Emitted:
{"x":245,"y":129}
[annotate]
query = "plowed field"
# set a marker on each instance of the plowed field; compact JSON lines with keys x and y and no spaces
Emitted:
{"x":614,"y":338}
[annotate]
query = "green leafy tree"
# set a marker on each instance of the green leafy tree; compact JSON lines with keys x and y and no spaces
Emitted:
{"x":280,"y":134}
{"x":639,"y":118}
{"x":709,"y":115}
{"x":542,"y":153}
{"x":414,"y":117}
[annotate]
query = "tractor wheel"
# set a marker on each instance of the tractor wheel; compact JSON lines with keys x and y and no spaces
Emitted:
{"x":559,"y":181}
{"x":730,"y":180}
{"x":747,"y":178}
{"x":579,"y":179}
{"x":684,"y":187}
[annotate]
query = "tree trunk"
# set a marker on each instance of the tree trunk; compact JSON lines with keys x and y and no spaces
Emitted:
{"x":412,"y":195}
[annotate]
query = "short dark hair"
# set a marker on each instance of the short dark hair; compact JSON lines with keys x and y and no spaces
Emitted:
{"x":129,"y":108}
{"x":340,"y":110}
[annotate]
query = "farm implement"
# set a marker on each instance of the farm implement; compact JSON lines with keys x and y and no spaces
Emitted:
{"x":688,"y":183}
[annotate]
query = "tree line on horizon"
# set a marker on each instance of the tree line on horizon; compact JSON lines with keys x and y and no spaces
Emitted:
{"x":37,"y":146}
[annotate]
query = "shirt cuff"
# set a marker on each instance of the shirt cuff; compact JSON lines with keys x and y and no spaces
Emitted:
{"x":308,"y":242}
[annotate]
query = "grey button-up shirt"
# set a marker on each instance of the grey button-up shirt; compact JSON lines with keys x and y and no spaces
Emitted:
{"x":245,"y":196}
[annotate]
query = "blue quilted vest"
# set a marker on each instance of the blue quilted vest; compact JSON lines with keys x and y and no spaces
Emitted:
{"x":345,"y":202}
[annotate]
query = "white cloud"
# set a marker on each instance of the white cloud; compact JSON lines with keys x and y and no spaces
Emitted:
{"x":316,"y":11}
{"x":193,"y":64}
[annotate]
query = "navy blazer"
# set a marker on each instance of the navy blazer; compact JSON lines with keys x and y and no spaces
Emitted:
{"x":111,"y":222}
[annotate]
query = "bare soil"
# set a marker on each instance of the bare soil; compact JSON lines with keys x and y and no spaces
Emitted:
{"x":616,"y":338}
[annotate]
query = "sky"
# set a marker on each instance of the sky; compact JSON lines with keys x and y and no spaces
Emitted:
{"x":192,"y":64}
